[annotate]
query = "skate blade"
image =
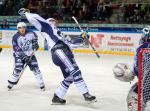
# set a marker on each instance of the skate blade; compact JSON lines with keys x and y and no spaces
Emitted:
{"x":43,"y":89}
{"x":9,"y":89}
{"x":58,"y":103}
{"x":93,"y":101}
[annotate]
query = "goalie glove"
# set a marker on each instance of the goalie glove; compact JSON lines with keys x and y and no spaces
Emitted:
{"x":22,"y":11}
{"x":123,"y":72}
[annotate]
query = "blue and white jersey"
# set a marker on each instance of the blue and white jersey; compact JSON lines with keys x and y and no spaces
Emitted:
{"x":75,"y":43}
{"x":48,"y":31}
{"x":145,"y":45}
{"x":23,"y":44}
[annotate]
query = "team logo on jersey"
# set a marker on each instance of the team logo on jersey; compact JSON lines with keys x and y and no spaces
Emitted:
{"x":26,"y":45}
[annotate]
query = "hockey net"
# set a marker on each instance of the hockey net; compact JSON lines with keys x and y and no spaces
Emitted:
{"x":143,"y":78}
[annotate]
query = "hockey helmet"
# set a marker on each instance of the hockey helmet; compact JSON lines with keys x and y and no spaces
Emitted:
{"x":52,"y":21}
{"x":21,"y":24}
{"x":145,"y":35}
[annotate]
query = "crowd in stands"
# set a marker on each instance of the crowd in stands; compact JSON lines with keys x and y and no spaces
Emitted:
{"x":93,"y":11}
{"x":137,"y":13}
{"x":84,"y":10}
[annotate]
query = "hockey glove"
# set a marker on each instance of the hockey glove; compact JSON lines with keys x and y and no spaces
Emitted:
{"x":22,"y":11}
{"x":35,"y":45}
{"x":85,"y":37}
{"x":27,"y":59}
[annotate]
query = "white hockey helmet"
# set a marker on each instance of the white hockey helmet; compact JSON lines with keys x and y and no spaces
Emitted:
{"x":51,"y":19}
{"x":21,"y":24}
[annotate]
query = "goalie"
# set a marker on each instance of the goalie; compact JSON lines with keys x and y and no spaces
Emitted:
{"x":125,"y":72}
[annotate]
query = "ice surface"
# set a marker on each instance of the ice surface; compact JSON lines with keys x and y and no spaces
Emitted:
{"x":26,"y":96}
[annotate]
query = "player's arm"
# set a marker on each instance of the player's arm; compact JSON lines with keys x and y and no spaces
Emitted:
{"x":36,"y":20}
{"x":16,"y":49}
{"x":35,"y":44}
{"x":79,"y":41}
{"x":18,"y":52}
{"x":39,"y":23}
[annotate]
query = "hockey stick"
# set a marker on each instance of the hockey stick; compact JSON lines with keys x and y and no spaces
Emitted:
{"x":10,"y":86}
{"x":98,"y":56}
{"x":26,"y":65}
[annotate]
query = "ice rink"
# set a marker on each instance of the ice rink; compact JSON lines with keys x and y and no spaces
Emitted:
{"x":26,"y":96}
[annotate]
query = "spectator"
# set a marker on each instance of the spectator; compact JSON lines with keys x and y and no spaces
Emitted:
{"x":100,"y":10}
{"x":5,"y":24}
{"x":85,"y":10}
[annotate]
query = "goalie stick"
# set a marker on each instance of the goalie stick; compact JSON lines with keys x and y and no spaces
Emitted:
{"x":98,"y":56}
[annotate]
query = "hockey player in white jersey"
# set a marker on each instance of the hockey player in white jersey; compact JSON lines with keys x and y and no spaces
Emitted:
{"x":127,"y":72}
{"x":24,"y":43}
{"x":62,"y":56}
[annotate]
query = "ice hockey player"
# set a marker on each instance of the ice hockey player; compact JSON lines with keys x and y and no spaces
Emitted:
{"x":24,"y":43}
{"x":62,"y":56}
{"x":127,"y":72}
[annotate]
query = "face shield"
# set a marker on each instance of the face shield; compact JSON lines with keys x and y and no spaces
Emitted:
{"x":145,"y":35}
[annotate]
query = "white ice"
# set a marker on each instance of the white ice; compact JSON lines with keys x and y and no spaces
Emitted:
{"x":26,"y":96}
{"x":147,"y":108}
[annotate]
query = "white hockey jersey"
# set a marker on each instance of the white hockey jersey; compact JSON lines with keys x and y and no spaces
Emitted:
{"x":50,"y":32}
{"x":23,"y":44}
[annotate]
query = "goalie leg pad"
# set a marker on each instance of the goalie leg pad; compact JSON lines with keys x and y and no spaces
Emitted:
{"x":132,"y":98}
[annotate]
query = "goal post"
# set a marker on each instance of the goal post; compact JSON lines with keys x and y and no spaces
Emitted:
{"x":143,"y":78}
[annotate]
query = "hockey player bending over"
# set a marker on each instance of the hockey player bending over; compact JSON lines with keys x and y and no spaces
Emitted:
{"x":126,"y":72}
{"x":24,"y":43}
{"x":62,"y":56}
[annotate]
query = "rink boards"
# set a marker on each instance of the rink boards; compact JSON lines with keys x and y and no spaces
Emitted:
{"x":116,"y":43}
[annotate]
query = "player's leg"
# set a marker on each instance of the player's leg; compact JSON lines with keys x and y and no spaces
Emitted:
{"x":63,"y":88}
{"x":132,"y":98}
{"x":19,"y":64}
{"x":35,"y":68}
{"x":68,"y":63}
